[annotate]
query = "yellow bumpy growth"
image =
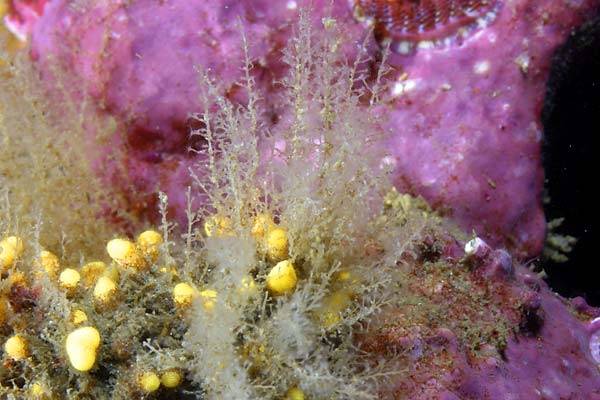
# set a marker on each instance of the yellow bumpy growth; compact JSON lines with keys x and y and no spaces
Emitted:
{"x":209,"y":297}
{"x":125,"y":253}
{"x":333,"y":307}
{"x":170,"y":379}
{"x":69,"y":279}
{"x":294,"y":394}
{"x":218,"y":226}
{"x":11,"y":248}
{"x":149,"y":244}
{"x":92,"y":271}
{"x":105,"y":292}
{"x":263,"y":225}
{"x":17,"y":348}
{"x":183,"y":294}
{"x":79,"y":317}
{"x":277,"y":245}
{"x":82,"y":346}
{"x":149,"y":382}
{"x":49,"y":263}
{"x":282,"y":278}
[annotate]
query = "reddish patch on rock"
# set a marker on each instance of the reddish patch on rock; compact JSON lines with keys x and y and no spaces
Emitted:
{"x":23,"y":298}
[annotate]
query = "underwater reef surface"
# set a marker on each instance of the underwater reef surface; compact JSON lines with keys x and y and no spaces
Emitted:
{"x":457,"y":123}
{"x":464,"y":128}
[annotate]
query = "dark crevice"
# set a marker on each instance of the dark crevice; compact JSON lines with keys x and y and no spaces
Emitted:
{"x":571,"y":119}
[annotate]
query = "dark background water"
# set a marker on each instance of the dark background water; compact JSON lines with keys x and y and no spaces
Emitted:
{"x":571,"y":121}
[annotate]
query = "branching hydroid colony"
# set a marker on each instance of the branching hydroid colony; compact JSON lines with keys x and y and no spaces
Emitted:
{"x":322,"y":184}
{"x":274,"y":289}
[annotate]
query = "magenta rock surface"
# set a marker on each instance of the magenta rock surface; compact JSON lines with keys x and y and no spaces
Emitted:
{"x":551,"y":354}
{"x":464,"y":131}
{"x":140,"y":63}
{"x":466,"y":128}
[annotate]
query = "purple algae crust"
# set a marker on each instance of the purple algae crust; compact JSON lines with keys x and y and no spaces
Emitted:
{"x":463,"y":126}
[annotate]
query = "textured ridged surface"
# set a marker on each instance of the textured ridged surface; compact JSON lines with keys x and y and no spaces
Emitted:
{"x":424,"y":20}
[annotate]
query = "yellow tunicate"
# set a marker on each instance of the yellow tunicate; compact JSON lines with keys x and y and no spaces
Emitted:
{"x":218,"y":226}
{"x":92,"y":271}
{"x":333,"y":306}
{"x":69,"y":279}
{"x":346,"y":278}
{"x":79,"y":317}
{"x":282,"y":278}
{"x":294,"y":394}
{"x":209,"y":297}
{"x":17,"y":348}
{"x":38,"y":391}
{"x":104,"y":291}
{"x":343,"y":276}
{"x":277,"y":245}
{"x":170,"y":379}
{"x":149,"y":243}
{"x":49,"y":263}
{"x":82,"y":346}
{"x":149,"y":382}
{"x":263,"y":224}
{"x":125,"y":253}
{"x":11,"y":248}
{"x":183,"y":294}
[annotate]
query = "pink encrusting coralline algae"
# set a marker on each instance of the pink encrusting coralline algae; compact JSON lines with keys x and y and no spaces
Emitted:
{"x":461,"y":128}
{"x":551,"y":355}
{"x":464,"y":130}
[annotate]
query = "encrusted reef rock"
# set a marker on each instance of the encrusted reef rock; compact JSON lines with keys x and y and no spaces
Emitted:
{"x":530,"y":343}
{"x":465,"y":92}
{"x":256,"y":124}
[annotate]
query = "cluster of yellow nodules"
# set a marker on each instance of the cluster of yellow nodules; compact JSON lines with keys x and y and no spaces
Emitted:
{"x":338,"y":301}
{"x":82,"y":349}
{"x":184,"y":295}
{"x":282,"y":278}
{"x":272,"y":242}
{"x":128,"y":254}
{"x":150,"y":381}
{"x":125,"y":255}
{"x":81,"y":344}
{"x":98,"y":275}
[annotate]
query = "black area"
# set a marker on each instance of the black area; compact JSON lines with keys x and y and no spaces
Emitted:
{"x":571,"y":119}
{"x":531,"y":322}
